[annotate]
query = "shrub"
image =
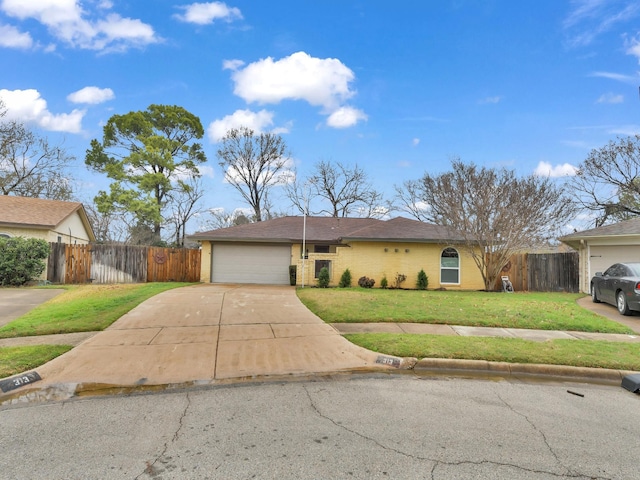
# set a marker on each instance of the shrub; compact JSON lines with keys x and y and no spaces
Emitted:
{"x":423,"y":280}
{"x":22,"y":259}
{"x":366,"y":282}
{"x":323,"y":277}
{"x":384,"y":283}
{"x":400,"y":277}
{"x":293,"y":273}
{"x":345,"y":280}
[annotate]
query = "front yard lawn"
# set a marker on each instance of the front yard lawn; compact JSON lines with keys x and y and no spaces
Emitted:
{"x":539,"y":310}
{"x":83,"y":308}
{"x":14,"y":360}
{"x":576,"y":353}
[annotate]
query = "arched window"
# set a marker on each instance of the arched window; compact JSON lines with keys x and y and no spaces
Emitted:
{"x":449,"y":266}
{"x":5,"y":235}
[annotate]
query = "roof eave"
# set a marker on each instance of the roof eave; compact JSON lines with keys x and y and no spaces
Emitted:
{"x":240,"y":239}
{"x":402,"y":240}
{"x":26,"y":225}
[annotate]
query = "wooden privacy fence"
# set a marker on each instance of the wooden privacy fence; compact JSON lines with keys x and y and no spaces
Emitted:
{"x":543,"y":272}
{"x":121,"y":264}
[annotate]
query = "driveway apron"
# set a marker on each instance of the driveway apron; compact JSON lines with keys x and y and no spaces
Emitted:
{"x":207,"y":333}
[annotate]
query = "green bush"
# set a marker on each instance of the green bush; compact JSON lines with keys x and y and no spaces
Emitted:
{"x":366,"y":282}
{"x":323,"y":277}
{"x":293,"y":273}
{"x":384,"y":283}
{"x":345,"y":280}
{"x":22,"y":259}
{"x":423,"y":280}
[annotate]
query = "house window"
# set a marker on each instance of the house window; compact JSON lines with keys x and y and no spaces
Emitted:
{"x":321,"y":249}
{"x":320,"y":264}
{"x":449,"y":266}
{"x":4,"y":235}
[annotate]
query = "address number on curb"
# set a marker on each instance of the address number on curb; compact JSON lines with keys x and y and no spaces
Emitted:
{"x":392,"y":362}
{"x":19,"y":381}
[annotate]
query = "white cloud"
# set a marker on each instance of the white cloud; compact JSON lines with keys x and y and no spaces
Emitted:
{"x":610,"y":98}
{"x":256,"y":121}
{"x":345,"y":117}
{"x":591,"y":18}
{"x":91,"y":95}
{"x":323,"y":82}
{"x":634,"y":48}
{"x":29,"y":107}
{"x":630,"y":79}
{"x":415,"y":142}
{"x":69,"y":22}
{"x":319,"y":81}
{"x":490,"y":100}
{"x":11,"y":37}
{"x":625,"y":130}
{"x":545,"y":169}
{"x":232,"y":64}
{"x":207,"y":13}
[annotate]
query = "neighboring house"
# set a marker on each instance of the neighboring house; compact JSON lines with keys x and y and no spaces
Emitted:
{"x":50,"y":220}
{"x":262,"y":252}
{"x":601,"y":247}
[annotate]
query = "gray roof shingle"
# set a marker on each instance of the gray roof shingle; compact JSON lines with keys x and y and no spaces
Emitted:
{"x":627,"y":227}
{"x":332,"y":230}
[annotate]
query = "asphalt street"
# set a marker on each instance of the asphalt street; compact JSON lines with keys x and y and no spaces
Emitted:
{"x":363,"y":427}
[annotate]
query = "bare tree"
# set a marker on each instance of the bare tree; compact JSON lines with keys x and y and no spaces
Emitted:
{"x":342,"y":191}
{"x":607,"y":183}
{"x":221,"y":218}
{"x":496,"y":213}
{"x":184,"y":200}
{"x":253,"y":164}
{"x":30,"y":166}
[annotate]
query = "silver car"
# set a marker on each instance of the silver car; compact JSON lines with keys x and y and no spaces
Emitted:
{"x":619,"y":285}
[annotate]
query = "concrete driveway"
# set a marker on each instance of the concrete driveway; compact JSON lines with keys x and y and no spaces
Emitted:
{"x":208,"y":334}
{"x":15,"y":302}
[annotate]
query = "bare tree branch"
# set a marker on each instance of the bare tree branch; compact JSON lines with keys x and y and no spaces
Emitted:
{"x":253,"y":164}
{"x":608,"y":181}
{"x":30,"y":166}
{"x":339,"y":191}
{"x":496,"y":213}
{"x":184,"y":200}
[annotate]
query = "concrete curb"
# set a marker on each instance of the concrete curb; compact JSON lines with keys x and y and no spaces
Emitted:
{"x":441,"y":367}
{"x":518,"y":370}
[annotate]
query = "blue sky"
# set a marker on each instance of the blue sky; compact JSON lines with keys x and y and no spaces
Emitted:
{"x":396,"y":88}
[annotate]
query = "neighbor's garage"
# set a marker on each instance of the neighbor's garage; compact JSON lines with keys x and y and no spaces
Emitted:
{"x":602,"y":257}
{"x":237,"y":263}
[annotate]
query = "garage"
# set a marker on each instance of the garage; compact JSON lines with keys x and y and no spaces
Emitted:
{"x":603,"y":246}
{"x":238,"y":263}
{"x":603,"y":256}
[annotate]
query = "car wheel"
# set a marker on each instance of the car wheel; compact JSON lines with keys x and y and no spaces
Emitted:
{"x":621,"y":303}
{"x":594,"y":295}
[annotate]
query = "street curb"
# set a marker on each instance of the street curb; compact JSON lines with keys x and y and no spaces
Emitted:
{"x":519,"y":370}
{"x":441,"y":367}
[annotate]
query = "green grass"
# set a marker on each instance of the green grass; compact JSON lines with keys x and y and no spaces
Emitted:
{"x":539,"y":310}
{"x":577,"y":353}
{"x":14,"y":360}
{"x":83,"y":308}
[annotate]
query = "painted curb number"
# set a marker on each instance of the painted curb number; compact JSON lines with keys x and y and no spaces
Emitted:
{"x":392,"y":362}
{"x":19,"y":381}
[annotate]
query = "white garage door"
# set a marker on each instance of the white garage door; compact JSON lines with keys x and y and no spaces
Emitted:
{"x":602,"y":257}
{"x":266,"y":264}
